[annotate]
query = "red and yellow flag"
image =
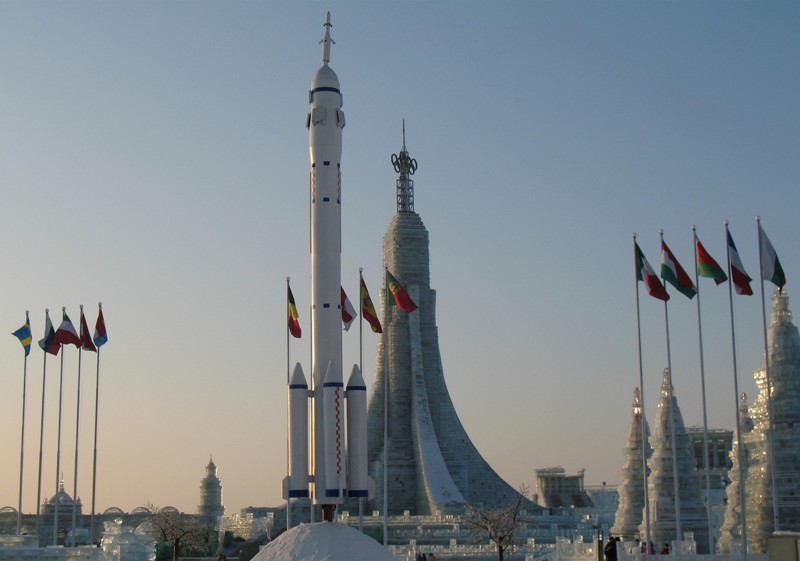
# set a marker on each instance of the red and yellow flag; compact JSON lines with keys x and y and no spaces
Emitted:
{"x":294,"y":322}
{"x":368,"y":310}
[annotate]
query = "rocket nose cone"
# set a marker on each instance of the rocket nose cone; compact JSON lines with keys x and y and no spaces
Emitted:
{"x":298,"y":378}
{"x":325,"y":77}
{"x":356,"y":380}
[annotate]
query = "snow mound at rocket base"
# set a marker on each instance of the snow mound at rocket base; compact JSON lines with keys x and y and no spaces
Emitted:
{"x":324,"y":541}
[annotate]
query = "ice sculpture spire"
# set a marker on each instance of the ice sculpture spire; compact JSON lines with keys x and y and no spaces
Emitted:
{"x":784,"y":366}
{"x":661,"y":481}
{"x":631,"y":490}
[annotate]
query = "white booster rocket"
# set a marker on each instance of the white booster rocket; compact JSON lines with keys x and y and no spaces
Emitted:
{"x":339,"y":467}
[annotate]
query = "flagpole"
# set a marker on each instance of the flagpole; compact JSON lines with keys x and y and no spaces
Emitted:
{"x":41,"y":429}
{"x":361,"y":368}
{"x":385,"y":412}
{"x":676,"y":487}
{"x":644,"y":417}
{"x":775,"y":514}
{"x":312,"y":512}
{"x":703,"y":391}
{"x":288,"y":415}
{"x":739,"y":442}
{"x":58,"y":446}
{"x":22,"y":437}
{"x":94,"y":453}
{"x":77,"y":431}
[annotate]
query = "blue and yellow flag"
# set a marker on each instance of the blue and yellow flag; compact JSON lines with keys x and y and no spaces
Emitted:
{"x":24,"y":335}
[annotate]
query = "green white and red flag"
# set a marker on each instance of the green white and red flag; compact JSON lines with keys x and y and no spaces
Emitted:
{"x":645,"y":273}
{"x":673,"y":273}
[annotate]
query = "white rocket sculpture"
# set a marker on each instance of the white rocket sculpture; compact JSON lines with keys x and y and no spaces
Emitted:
{"x":338,"y":470}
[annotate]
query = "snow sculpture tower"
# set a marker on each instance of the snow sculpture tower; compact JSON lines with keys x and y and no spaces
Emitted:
{"x":731,"y":532}
{"x":211,"y":495}
{"x":671,"y":455}
{"x":783,"y":342}
{"x":631,"y":490}
{"x":431,"y":463}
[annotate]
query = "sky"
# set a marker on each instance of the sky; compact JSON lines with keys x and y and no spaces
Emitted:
{"x":154,"y":158}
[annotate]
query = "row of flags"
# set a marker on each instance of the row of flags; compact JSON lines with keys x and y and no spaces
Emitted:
{"x":707,"y":267}
{"x":401,"y":299}
{"x":66,"y":334}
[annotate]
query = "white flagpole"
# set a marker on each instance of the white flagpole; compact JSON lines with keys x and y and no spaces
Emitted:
{"x":361,"y":368}
{"x":41,"y":431}
{"x":739,"y":442}
{"x":58,"y":446}
{"x":385,"y":411}
{"x":703,"y":391}
{"x":96,"y":410}
{"x":22,"y":437}
{"x":77,"y":431}
{"x":775,"y":514}
{"x":644,"y":417}
{"x":676,"y":487}
{"x":288,"y":418}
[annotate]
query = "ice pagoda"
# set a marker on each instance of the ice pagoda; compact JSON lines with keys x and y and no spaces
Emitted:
{"x":631,"y":490}
{"x":673,"y":483}
{"x":783,"y":457}
{"x":732,"y":525}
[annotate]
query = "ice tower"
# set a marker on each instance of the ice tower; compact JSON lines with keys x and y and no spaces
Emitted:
{"x":783,"y":342}
{"x":672,"y":454}
{"x":631,"y":490}
{"x":731,"y":531}
{"x":432,"y":464}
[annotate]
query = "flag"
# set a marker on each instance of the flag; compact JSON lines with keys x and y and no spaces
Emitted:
{"x":24,"y":335}
{"x":348,"y":312}
{"x":708,"y":268}
{"x":401,"y":298}
{"x":644,"y":272}
{"x":673,"y":273}
{"x":100,"y":335}
{"x":294,"y":322}
{"x":771,"y":269}
{"x":86,"y":339}
{"x":49,"y":343}
{"x":741,"y":280}
{"x":368,"y":310}
{"x":66,"y":334}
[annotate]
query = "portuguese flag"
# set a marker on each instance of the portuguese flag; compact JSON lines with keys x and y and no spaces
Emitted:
{"x":401,"y":298}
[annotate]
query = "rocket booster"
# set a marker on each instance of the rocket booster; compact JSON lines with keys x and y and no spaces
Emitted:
{"x":325,"y":122}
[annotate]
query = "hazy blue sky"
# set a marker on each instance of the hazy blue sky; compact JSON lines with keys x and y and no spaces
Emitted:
{"x":153,"y":156}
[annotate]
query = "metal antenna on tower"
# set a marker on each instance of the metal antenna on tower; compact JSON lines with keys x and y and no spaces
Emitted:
{"x":405,"y":165}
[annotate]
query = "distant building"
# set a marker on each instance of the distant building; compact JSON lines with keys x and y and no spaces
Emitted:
{"x":556,"y":489}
